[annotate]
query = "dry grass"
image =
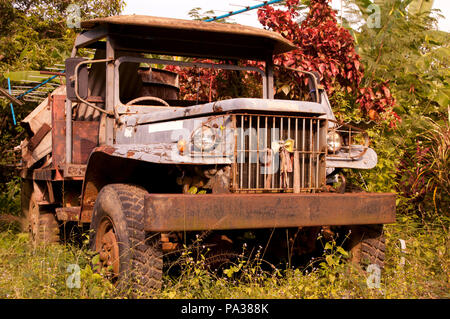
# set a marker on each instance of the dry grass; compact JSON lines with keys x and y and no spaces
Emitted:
{"x":42,"y":272}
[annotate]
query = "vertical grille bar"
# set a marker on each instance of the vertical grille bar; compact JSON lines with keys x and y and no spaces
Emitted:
{"x":281,"y":139}
{"x":292,"y":164}
{"x":317,"y":155}
{"x":225,"y":145}
{"x":257,"y":152}
{"x":266,"y":154}
{"x":303,"y":152}
{"x":234,"y":165}
{"x":289,"y":128}
{"x":250,"y":152}
{"x":296,"y":157}
{"x":273,"y":157}
{"x":310,"y":151}
{"x":241,"y":173}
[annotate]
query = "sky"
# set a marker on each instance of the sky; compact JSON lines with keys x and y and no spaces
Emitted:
{"x":180,"y":8}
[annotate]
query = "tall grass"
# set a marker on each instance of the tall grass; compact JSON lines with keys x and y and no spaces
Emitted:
{"x":425,"y":272}
{"x":423,"y":173}
{"x":27,"y":272}
{"x":43,"y":272}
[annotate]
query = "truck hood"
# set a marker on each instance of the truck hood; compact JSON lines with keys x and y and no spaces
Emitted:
{"x":160,"y":114}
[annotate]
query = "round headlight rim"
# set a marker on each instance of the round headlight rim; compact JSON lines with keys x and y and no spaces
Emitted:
{"x":202,"y":147}
{"x":340,"y":140}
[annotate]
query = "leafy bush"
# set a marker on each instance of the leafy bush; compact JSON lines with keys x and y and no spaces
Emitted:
{"x":423,"y":172}
{"x":10,"y":198}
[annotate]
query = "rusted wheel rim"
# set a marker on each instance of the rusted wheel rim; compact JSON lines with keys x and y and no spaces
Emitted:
{"x":108,"y":249}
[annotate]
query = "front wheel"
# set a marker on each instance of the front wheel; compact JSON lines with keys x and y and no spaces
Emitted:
{"x":130,"y":258}
{"x":367,"y":245}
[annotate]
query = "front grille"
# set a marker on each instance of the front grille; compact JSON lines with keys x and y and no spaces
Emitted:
{"x":278,"y":153}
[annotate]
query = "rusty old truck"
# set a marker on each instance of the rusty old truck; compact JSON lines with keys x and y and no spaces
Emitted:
{"x":116,"y":150}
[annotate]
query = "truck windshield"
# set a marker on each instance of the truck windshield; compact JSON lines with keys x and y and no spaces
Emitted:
{"x":185,"y":82}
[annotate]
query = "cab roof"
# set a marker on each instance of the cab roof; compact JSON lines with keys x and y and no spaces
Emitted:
{"x":189,"y":37}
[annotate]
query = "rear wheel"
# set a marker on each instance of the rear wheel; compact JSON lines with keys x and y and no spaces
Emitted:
{"x":222,"y":253}
{"x":367,"y":245}
{"x":46,"y":229}
{"x":129,"y":257}
{"x":42,"y":225}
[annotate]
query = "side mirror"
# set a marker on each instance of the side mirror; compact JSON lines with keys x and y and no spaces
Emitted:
{"x":82,"y":79}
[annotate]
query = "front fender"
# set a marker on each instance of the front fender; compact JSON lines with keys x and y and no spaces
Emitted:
{"x":106,"y":165}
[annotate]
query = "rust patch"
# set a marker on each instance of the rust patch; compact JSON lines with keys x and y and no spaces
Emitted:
{"x":105,"y":149}
{"x":74,"y":170}
{"x":58,"y":130}
{"x":85,"y":139}
{"x":217,"y":108}
{"x":37,"y":138}
{"x":68,"y":213}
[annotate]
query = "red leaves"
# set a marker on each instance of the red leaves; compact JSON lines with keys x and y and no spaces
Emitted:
{"x":349,"y":75}
{"x":324,"y":47}
{"x":377,"y":99}
{"x":322,"y":68}
{"x":334,"y":69}
{"x":196,"y":84}
{"x":386,"y":91}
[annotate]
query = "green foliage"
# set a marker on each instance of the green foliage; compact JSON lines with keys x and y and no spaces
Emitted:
{"x":10,"y":197}
{"x":423,"y":172}
{"x":409,"y":53}
{"x":33,"y":35}
{"x":43,"y":272}
{"x":425,"y":271}
{"x":418,"y":6}
{"x":423,"y":274}
{"x":420,"y":271}
{"x":413,"y":161}
{"x":195,"y":14}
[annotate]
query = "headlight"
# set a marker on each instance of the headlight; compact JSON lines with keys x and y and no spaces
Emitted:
{"x":204,"y":139}
{"x":334,"y":141}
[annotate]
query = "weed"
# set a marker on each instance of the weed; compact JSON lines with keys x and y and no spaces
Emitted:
{"x":43,"y":272}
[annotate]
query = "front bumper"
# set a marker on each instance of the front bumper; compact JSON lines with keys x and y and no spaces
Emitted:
{"x":179,"y":212}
